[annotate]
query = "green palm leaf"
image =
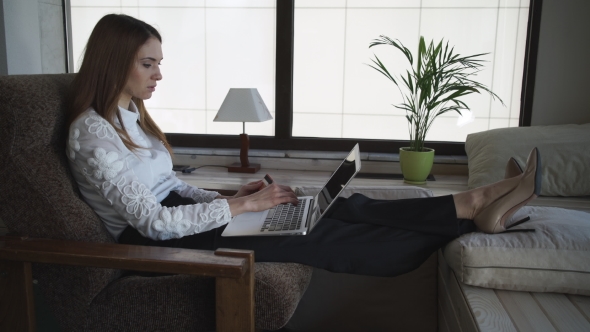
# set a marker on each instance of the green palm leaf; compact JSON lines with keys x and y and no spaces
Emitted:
{"x":435,"y":85}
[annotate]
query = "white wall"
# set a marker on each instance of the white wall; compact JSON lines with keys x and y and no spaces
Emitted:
{"x":33,"y":38}
{"x":561,"y":85}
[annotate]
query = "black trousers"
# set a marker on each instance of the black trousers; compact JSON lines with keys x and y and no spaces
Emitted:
{"x":361,"y":236}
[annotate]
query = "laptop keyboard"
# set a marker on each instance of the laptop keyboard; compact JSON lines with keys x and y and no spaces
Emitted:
{"x":286,"y":217}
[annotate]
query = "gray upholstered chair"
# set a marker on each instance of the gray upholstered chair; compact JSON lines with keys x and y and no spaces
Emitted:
{"x":39,"y":199}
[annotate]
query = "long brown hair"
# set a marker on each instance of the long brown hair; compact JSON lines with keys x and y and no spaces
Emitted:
{"x":109,"y":59}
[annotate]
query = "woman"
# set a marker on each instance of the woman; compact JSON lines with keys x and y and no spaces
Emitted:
{"x":121,"y":162}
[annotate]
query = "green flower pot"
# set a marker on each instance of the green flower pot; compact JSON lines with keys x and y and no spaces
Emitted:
{"x":416,"y":166}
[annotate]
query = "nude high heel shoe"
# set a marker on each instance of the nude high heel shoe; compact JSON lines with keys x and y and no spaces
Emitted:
{"x":512,"y":169}
{"x":493,"y":218}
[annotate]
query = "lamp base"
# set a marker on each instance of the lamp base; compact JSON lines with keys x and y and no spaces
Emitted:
{"x":238,"y":168}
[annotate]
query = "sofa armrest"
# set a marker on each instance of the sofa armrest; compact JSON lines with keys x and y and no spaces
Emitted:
{"x":233,"y":270}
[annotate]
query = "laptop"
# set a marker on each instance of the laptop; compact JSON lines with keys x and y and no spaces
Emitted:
{"x":288,"y":219}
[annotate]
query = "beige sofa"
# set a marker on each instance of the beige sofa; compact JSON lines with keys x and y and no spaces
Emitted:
{"x":533,"y":281}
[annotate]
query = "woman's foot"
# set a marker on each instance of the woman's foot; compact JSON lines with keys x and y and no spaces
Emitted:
{"x":492,"y":219}
{"x":469,"y":204}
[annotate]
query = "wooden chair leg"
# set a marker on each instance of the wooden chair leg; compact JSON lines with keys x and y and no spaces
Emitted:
{"x":17,"y":303}
{"x":235,"y":297}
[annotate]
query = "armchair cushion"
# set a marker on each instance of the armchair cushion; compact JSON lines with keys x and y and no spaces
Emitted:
{"x":554,"y":258}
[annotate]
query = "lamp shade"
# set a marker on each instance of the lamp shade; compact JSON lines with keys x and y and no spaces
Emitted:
{"x":243,"y":105}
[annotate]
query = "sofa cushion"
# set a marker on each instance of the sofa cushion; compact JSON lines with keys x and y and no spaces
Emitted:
{"x":564,"y":149}
{"x":554,"y":258}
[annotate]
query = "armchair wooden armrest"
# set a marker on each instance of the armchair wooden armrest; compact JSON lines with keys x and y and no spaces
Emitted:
{"x":233,"y":270}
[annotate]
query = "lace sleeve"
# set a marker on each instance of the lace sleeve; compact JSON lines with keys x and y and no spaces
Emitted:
{"x":100,"y":158}
{"x":199,"y":195}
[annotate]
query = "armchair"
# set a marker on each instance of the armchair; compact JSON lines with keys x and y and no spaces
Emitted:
{"x":60,"y":242}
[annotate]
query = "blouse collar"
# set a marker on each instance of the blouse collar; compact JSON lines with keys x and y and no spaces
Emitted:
{"x":130,"y":116}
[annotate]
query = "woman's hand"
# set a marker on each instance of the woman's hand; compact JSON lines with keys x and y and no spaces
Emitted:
{"x":245,"y":190}
{"x":266,"y":198}
{"x":249,"y":189}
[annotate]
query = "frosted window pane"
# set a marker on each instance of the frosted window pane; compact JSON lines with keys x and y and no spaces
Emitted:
{"x":317,"y":125}
{"x":504,"y":61}
{"x":460,"y":3}
{"x":482,"y":26}
{"x":383,"y":3}
{"x":320,"y":3}
{"x":319,"y":65}
{"x":95,"y":3}
{"x":208,"y":46}
{"x":366,"y":91}
{"x":183,"y":67}
{"x":242,"y":56}
{"x":179,"y":121}
{"x":375,"y":127}
{"x":241,"y":3}
{"x":170,"y":3}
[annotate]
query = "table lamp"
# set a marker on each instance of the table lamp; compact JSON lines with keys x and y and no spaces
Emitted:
{"x":243,"y":105}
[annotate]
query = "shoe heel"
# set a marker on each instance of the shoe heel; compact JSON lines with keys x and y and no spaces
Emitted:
{"x":524,"y":230}
{"x":519,"y":222}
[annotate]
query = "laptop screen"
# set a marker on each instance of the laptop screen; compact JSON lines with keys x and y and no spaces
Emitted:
{"x":337,"y":182}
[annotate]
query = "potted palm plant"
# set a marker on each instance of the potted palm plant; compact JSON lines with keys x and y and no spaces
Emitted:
{"x":434,"y":86}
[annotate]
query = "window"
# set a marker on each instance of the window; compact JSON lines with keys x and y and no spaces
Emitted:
{"x":306,"y":57}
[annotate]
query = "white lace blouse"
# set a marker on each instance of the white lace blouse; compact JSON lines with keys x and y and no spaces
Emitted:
{"x":126,"y":188}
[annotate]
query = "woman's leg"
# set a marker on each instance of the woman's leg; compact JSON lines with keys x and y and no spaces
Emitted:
{"x":432,"y":215}
{"x":342,"y":247}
